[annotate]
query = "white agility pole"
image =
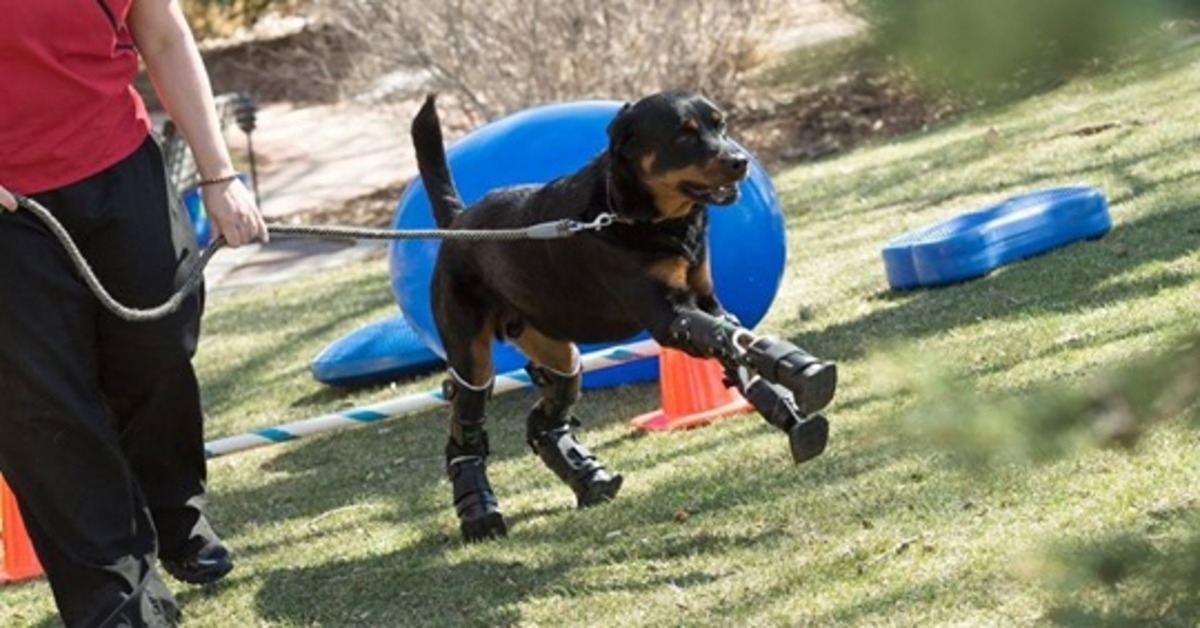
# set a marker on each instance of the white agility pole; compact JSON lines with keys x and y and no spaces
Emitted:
{"x":418,"y":402}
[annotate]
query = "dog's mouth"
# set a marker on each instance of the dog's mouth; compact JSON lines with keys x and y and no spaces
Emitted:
{"x":711,"y":194}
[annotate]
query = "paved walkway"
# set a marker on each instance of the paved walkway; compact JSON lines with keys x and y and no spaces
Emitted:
{"x":309,"y":158}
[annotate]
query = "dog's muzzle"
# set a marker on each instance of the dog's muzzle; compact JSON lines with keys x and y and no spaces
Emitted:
{"x":732,"y":168}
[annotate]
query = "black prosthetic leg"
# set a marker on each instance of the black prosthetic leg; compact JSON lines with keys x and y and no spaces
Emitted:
{"x":548,"y":430}
{"x":807,"y":435}
{"x":466,"y":461}
{"x":810,"y":380}
{"x":784,"y":383}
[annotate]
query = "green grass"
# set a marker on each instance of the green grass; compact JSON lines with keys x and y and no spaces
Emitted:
{"x":887,"y":528}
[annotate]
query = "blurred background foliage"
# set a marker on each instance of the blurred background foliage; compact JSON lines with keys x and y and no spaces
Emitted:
{"x":987,"y":49}
{"x":219,"y":18}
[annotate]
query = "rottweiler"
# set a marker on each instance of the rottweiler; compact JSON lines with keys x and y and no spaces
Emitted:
{"x":668,"y":159}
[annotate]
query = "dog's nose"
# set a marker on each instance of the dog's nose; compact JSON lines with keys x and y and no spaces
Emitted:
{"x":736,"y":163}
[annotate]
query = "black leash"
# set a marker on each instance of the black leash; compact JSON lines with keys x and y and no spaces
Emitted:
{"x":542,"y":231}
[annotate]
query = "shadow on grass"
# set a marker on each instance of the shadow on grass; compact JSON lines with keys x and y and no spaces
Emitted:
{"x":1059,"y":281}
{"x":381,"y":592}
{"x":402,"y":458}
{"x":893,"y":191}
{"x":304,"y":319}
{"x":1178,"y":614}
{"x":430,"y":582}
{"x":1129,"y":580}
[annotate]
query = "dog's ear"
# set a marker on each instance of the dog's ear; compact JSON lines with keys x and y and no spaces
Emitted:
{"x":620,"y":130}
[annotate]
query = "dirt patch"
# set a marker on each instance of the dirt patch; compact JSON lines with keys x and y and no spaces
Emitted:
{"x":836,"y":117}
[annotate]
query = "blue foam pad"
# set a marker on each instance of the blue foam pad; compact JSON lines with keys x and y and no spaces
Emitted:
{"x":376,"y":353}
{"x":973,"y":244}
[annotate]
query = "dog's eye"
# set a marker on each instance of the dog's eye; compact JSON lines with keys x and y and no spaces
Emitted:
{"x":688,"y":131}
{"x":719,"y":122}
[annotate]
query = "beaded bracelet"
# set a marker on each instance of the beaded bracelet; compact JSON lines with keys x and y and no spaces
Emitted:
{"x":221,"y":179}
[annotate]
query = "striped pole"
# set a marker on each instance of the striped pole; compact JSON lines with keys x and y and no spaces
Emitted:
{"x":418,"y":402}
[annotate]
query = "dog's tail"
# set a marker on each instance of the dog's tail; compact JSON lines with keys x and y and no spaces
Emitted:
{"x":431,"y":162}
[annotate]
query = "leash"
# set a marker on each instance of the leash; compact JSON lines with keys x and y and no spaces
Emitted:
{"x":552,"y":230}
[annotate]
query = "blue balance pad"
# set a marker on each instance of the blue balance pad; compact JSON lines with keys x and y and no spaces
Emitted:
{"x":376,"y":353}
{"x":973,"y":244}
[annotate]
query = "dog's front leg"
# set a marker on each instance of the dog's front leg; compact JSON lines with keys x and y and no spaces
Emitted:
{"x":699,"y":283}
{"x":812,"y":380}
{"x":785,"y":384}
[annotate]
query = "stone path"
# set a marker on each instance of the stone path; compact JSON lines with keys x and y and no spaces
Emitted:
{"x":308,"y":158}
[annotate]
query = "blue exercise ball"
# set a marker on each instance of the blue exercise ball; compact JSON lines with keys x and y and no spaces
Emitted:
{"x":747,"y":240}
{"x":200,"y":222}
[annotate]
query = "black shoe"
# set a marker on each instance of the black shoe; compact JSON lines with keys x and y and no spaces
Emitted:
{"x":478,"y":510}
{"x":575,"y":465}
{"x":204,"y":562}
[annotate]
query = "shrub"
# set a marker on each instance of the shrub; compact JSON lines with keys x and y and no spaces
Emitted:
{"x":223,"y":17}
{"x":510,"y":54}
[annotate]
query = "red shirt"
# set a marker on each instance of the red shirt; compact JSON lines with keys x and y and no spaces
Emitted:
{"x":67,"y":105}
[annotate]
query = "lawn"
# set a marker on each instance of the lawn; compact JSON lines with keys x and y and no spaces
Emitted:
{"x":715,"y":526}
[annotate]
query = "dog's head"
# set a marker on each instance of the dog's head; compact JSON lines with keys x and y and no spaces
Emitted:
{"x":674,"y":144}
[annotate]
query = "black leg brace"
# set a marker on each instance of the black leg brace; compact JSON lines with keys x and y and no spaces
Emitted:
{"x":811,"y":381}
{"x":548,"y":430}
{"x":807,"y":435}
{"x":466,"y":461}
{"x":784,"y":383}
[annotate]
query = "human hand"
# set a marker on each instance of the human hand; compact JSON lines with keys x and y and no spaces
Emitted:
{"x":233,"y":213}
{"x":7,"y":200}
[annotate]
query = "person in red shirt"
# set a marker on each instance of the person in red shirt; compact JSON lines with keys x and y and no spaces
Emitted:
{"x":101,"y":435}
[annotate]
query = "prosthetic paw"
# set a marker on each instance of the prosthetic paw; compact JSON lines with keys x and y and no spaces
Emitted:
{"x":478,"y":510}
{"x":807,"y":435}
{"x":575,"y":465}
{"x":811,"y":381}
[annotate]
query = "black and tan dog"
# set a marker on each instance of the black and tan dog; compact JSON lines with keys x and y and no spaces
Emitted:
{"x":668,"y":159}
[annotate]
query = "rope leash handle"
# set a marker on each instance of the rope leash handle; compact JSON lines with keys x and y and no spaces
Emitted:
{"x":93,"y":283}
{"x":542,"y":231}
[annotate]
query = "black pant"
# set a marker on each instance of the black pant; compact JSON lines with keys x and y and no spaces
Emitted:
{"x":101,"y":434}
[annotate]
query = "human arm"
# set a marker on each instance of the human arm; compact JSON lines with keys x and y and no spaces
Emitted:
{"x":6,"y":200}
{"x":175,"y":68}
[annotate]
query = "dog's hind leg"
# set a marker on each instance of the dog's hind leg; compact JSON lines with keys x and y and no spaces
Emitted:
{"x":557,"y":372}
{"x":468,"y":388}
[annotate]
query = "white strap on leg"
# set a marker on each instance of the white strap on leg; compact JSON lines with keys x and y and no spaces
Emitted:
{"x":458,"y":379}
{"x":576,"y":365}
